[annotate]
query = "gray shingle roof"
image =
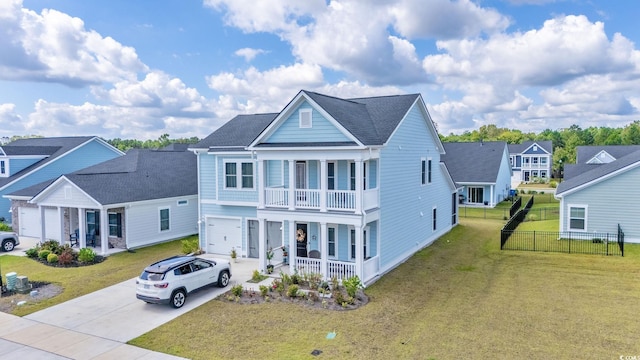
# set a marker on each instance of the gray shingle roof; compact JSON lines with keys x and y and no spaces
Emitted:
{"x":519,"y":148}
{"x":52,"y":147}
{"x":586,"y":153}
{"x":371,"y":120}
{"x":139,"y":175}
{"x":598,"y":172}
{"x":474,"y":161}
{"x":572,"y":170}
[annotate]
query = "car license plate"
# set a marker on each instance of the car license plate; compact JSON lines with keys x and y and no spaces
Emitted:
{"x":146,"y":286}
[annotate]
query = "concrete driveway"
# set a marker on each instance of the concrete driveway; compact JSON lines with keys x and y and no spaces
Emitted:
{"x":114,"y":314}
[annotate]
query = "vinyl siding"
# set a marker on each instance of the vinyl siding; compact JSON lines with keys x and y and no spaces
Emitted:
{"x":207,"y":174}
{"x":503,"y":180}
{"x":58,"y":197}
{"x":143,"y":221}
{"x":321,"y":131}
{"x":15,"y":165}
{"x":238,"y":194}
{"x":89,"y":154}
{"x":610,"y":202}
{"x":243,"y":212}
{"x":406,"y":204}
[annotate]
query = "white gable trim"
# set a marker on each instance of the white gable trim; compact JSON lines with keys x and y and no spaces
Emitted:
{"x":60,"y":182}
{"x":288,"y":110}
{"x":539,"y":147}
{"x":62,"y":156}
{"x":598,"y":180}
{"x":429,"y":122}
{"x":596,"y":158}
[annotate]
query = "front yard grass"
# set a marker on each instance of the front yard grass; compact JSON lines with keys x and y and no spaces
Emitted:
{"x":78,"y":281}
{"x":459,"y":298}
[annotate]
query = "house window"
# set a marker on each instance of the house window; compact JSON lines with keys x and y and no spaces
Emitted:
{"x":577,"y":218}
{"x":3,"y":167}
{"x":535,"y":147}
{"x":423,"y":174}
{"x":543,"y":161}
{"x":534,"y":160}
{"x":454,"y":208}
{"x":230,"y":173}
{"x":115,"y":224}
{"x":435,"y":220}
{"x":352,"y":176}
{"x":543,"y":174}
{"x":475,"y":195}
{"x":183,"y":202}
{"x":247,"y":175}
{"x":511,"y":160}
{"x":331,"y":240}
{"x":429,"y":171}
{"x":93,"y":222}
{"x":233,"y":178}
{"x":364,"y":176}
{"x":331,"y":176}
{"x":305,"y":118}
{"x":353,"y":244}
{"x":164,"y":219}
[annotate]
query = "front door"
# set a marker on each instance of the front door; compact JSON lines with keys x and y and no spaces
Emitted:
{"x":301,"y":240}
{"x":253,"y":238}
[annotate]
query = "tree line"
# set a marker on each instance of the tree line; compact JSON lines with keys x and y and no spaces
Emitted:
{"x":565,"y":141}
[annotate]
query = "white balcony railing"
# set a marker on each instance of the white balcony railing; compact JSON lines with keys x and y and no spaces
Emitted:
{"x":308,"y":265}
{"x":338,"y":200}
{"x":307,"y":199}
{"x":340,"y":269}
{"x":341,"y":200}
{"x":276,"y":197}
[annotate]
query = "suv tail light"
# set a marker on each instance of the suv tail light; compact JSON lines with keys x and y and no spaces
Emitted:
{"x":161,"y":285}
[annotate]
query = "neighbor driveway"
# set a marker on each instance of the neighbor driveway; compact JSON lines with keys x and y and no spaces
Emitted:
{"x":116,"y":315}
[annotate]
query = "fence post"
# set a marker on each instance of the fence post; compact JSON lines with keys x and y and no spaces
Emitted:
{"x":534,"y":240}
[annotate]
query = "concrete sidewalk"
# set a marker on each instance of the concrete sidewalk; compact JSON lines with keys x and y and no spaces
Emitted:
{"x":97,"y":325}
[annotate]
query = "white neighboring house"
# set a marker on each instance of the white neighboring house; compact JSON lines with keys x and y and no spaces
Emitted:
{"x":142,"y":198}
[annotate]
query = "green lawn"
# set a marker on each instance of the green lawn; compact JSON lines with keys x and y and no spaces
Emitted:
{"x":83,"y":280}
{"x":459,"y":298}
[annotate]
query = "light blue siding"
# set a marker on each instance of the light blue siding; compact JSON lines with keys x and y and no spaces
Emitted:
{"x":89,"y":154}
{"x":15,"y":165}
{"x":313,"y":168}
{"x":609,"y":203}
{"x":274,"y":171}
{"x":321,"y":131}
{"x":406,"y":204}
{"x":239,"y":194}
{"x":372,"y":174}
{"x":503,"y":180}
{"x":243,"y":212}
{"x":207,"y":183}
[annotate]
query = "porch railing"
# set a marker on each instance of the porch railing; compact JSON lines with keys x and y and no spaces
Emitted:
{"x":308,"y":199}
{"x":370,"y":198}
{"x":308,"y":265}
{"x":341,"y":199}
{"x":371,"y":268}
{"x":276,"y":197}
{"x":340,"y":269}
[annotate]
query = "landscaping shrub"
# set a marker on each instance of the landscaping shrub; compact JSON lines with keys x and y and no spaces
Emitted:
{"x":51,"y":245}
{"x":52,"y":258}
{"x":42,"y":254}
{"x":86,"y":255}
{"x":263,"y":290}
{"x":32,"y":253}
{"x":352,"y":285}
{"x":190,"y":245}
{"x":66,"y":257}
{"x":292,"y":291}
{"x":5,"y":227}
{"x":237,"y":290}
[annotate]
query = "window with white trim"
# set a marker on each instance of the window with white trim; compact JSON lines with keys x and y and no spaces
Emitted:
{"x":435,"y":219}
{"x":423,"y":172}
{"x":332,"y":241}
{"x":183,"y":202}
{"x":429,"y":171}
{"x":578,"y":218}
{"x":352,"y":247}
{"x":352,"y":176}
{"x":3,"y":168}
{"x":305,"y":118}
{"x":165,"y":223}
{"x":234,"y":179}
{"x":115,"y":224}
{"x":331,"y":175}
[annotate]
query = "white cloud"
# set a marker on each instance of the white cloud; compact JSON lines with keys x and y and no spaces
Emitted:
{"x":248,"y":53}
{"x":55,"y":47}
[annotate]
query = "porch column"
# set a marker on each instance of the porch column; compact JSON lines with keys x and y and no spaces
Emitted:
{"x":323,"y":245}
{"x":359,"y":186}
{"x":293,"y":253}
{"x":292,"y":185}
{"x":42,"y":224}
{"x":359,"y":252}
{"x":104,"y":231}
{"x":323,"y":186}
{"x":63,"y":239}
{"x":261,"y":184}
{"x":82,"y":227}
{"x":492,"y":198}
{"x":262,"y":246}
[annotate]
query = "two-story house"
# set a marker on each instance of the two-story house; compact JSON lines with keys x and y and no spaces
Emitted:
{"x":531,"y":160}
{"x":343,"y":187}
{"x":27,"y":162}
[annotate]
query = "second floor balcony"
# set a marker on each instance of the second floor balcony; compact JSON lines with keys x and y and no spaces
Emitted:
{"x":315,"y":199}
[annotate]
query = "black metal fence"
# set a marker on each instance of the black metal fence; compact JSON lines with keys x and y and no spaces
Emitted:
{"x":564,"y":242}
{"x":515,"y":207}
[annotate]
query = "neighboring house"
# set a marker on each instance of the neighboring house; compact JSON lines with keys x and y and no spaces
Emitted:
{"x":27,"y":162}
{"x":603,"y":198}
{"x":142,"y":198}
{"x":480,"y":169}
{"x":530,"y":161}
{"x":347,"y":186}
{"x":589,"y":157}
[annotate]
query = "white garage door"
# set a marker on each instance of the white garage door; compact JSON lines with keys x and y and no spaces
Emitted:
{"x":30,"y":223}
{"x":223,"y":235}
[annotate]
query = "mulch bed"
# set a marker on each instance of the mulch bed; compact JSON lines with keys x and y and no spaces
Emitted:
{"x":74,"y":263}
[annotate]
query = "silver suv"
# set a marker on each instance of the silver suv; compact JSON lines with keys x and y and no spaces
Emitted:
{"x":170,"y":281}
{"x":9,"y":240}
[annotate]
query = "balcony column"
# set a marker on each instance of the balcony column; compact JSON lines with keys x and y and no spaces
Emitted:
{"x":323,"y":186}
{"x":293,"y":246}
{"x":359,"y":187}
{"x":104,"y":231}
{"x":260,"y":171}
{"x":493,"y":187}
{"x":292,"y":185}
{"x":262,"y":244}
{"x":359,"y":252}
{"x":323,"y":245}
{"x":43,"y":226}
{"x":82,"y":227}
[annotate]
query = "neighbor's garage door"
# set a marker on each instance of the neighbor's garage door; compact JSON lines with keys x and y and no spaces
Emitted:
{"x":223,"y":235}
{"x":30,"y":223}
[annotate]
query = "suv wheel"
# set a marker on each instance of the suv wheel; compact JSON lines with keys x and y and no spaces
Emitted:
{"x":8,"y":245}
{"x":178,"y":298}
{"x":223,"y":279}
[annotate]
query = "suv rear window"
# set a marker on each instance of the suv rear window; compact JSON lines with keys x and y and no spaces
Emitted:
{"x":151,"y":276}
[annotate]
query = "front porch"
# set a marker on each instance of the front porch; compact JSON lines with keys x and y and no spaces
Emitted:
{"x":339,"y":269}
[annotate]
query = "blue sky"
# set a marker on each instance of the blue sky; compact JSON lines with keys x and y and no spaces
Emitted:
{"x":139,"y":69}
